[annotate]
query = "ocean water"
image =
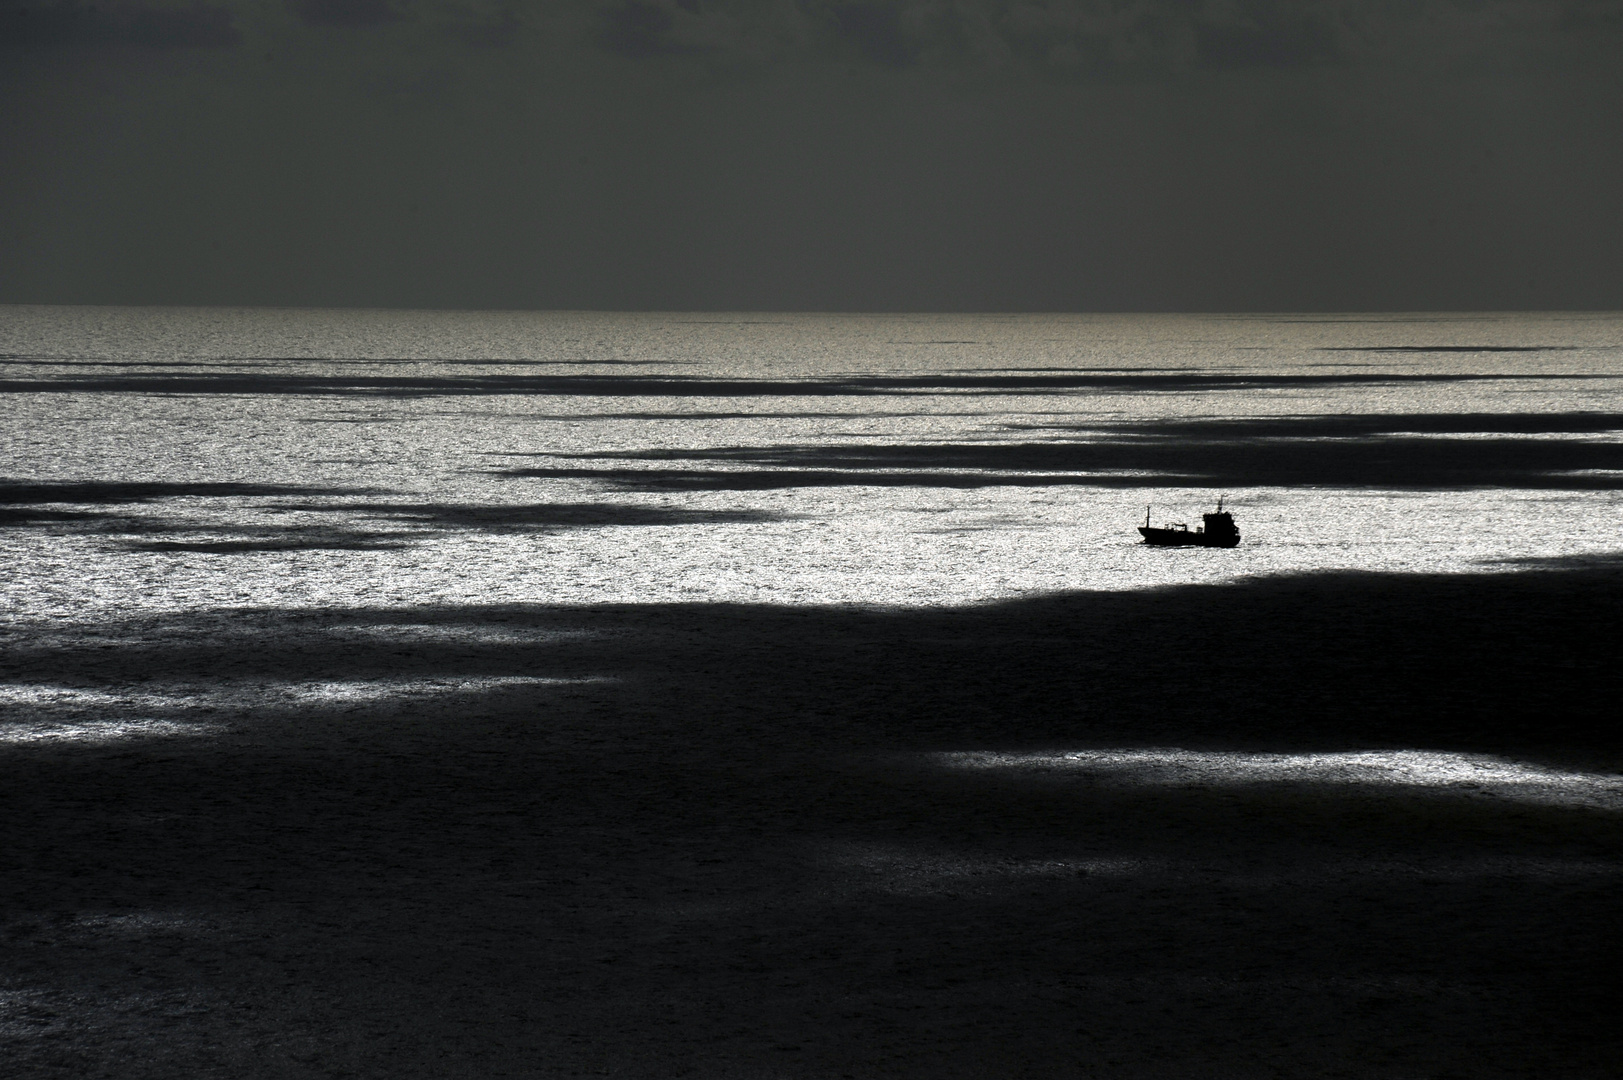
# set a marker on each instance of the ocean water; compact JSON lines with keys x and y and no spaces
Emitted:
{"x":329,"y":744}
{"x":161,"y":460}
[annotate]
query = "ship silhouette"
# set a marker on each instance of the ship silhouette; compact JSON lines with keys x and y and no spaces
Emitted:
{"x":1218,"y":531}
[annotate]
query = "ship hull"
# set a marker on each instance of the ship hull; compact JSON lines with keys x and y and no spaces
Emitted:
{"x":1185,"y":538}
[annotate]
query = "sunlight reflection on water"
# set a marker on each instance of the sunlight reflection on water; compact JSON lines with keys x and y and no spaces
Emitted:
{"x":40,"y":713}
{"x":1477,"y":775}
{"x":99,"y":732}
{"x":811,"y":461}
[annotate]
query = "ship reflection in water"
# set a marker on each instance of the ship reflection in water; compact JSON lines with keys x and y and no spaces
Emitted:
{"x":1218,"y":531}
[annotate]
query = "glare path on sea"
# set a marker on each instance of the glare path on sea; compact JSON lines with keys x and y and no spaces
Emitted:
{"x":387,"y":459}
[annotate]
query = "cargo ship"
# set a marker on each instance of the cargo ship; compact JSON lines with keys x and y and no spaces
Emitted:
{"x":1218,"y":531}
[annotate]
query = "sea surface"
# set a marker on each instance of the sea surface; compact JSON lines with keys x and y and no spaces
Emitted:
{"x":158,"y":460}
{"x":646,"y":695}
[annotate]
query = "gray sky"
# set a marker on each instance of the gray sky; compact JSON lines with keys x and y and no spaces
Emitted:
{"x":814,"y":154}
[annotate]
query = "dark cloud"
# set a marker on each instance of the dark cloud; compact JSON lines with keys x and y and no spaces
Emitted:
{"x":1090,"y":36}
{"x":875,"y":31}
{"x":1595,"y":15}
{"x":817,"y":154}
{"x":488,"y":31}
{"x":1275,"y":39}
{"x":1076,"y":36}
{"x":69,"y":23}
{"x":345,"y":12}
{"x":639,"y":29}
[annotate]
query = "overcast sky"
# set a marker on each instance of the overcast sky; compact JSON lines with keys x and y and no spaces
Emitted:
{"x":814,"y":154}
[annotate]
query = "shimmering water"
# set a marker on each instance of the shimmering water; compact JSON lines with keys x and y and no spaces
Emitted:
{"x":170,"y":459}
{"x":279,"y":717}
